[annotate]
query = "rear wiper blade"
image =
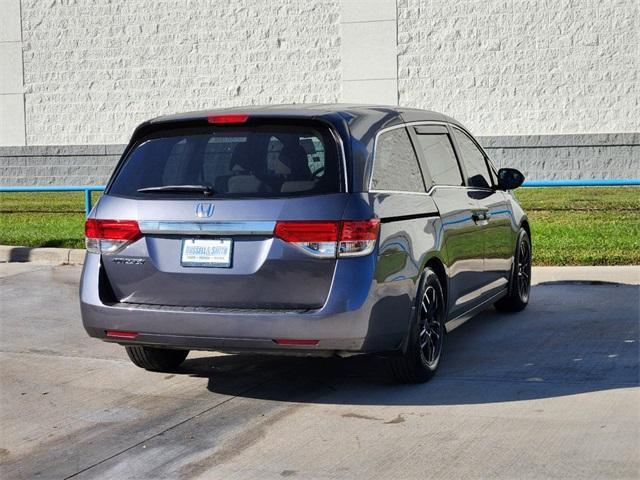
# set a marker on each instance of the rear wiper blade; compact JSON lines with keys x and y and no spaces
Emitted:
{"x":206,"y":189}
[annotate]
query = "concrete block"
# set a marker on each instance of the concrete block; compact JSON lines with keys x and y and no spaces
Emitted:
{"x":115,"y":149}
{"x":11,"y":61}
{"x":10,"y":25}
{"x":383,"y":92}
{"x":369,"y":51}
{"x":76,"y":256}
{"x":54,"y":256}
{"x":12,"y":119}
{"x":367,"y":10}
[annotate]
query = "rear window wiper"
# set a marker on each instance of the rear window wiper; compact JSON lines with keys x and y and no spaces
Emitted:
{"x":205,"y":189}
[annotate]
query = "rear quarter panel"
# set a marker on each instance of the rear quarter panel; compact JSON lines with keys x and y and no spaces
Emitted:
{"x":408,"y":240}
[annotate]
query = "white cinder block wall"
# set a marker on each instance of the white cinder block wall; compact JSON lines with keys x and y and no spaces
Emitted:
{"x":521,"y":67}
{"x":551,"y":86}
{"x":93,"y":70}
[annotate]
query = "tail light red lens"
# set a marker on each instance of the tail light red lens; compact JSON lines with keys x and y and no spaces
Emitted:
{"x":227,"y":119}
{"x":110,"y":236}
{"x":112,"y":229}
{"x":331,"y":239}
{"x":307,"y":231}
{"x":358,"y":237}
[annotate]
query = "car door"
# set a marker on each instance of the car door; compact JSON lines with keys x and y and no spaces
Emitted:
{"x":460,"y":236}
{"x":398,"y":196}
{"x":407,"y":216}
{"x":494,"y":215}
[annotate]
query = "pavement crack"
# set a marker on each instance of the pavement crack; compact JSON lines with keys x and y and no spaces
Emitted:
{"x":168,"y":429}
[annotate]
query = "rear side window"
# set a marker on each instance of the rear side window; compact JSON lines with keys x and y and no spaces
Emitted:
{"x":232,"y":161}
{"x":441,"y":159}
{"x":395,"y":166}
{"x":474,"y":161}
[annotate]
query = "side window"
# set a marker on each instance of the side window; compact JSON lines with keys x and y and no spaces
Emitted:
{"x":441,"y":159}
{"x":477,"y":171}
{"x":395,"y":166}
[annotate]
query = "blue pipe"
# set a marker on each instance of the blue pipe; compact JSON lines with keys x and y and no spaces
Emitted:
{"x":87,"y":189}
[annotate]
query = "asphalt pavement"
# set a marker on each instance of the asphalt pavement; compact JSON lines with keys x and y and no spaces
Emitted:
{"x":551,"y":392}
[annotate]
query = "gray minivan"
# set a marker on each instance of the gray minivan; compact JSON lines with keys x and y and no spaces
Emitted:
{"x":305,"y":229}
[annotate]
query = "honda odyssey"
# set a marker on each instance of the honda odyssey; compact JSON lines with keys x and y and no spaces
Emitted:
{"x":306,"y":230}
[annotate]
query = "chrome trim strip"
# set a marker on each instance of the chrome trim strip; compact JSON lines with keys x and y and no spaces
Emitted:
{"x":428,"y":193}
{"x":338,"y":139}
{"x":250,"y":227}
{"x":463,"y":317}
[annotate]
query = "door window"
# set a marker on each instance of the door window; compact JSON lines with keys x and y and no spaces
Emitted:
{"x":474,"y":161}
{"x":396,"y":166}
{"x":441,"y":159}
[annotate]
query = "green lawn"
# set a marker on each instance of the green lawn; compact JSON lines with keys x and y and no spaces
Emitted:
{"x":42,"y":219}
{"x":584,"y":226}
{"x":570,"y":226}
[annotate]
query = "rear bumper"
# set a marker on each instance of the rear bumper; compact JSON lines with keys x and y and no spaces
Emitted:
{"x":347,"y":323}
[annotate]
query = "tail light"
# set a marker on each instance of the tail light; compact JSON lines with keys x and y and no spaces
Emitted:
{"x":348,"y":238}
{"x":110,"y":236}
{"x":316,"y":238}
{"x":227,"y":119}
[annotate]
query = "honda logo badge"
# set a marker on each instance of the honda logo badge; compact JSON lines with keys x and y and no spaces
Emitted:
{"x":204,"y":210}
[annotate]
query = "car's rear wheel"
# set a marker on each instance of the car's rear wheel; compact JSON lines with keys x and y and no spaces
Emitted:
{"x":423,"y":352}
{"x":520,"y":284}
{"x":156,"y":359}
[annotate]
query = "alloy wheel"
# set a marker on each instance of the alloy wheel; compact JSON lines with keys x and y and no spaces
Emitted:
{"x":523,"y":280}
{"x":431,"y":328}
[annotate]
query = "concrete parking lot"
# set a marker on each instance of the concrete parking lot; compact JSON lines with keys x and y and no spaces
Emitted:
{"x":548,"y":393}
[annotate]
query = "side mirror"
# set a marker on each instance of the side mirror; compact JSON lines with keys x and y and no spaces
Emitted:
{"x":509,"y":178}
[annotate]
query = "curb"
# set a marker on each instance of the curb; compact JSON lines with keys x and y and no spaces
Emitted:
{"x":623,"y":274}
{"x":51,"y":256}
{"x":602,"y":274}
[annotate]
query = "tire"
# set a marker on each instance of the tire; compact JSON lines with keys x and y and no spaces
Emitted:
{"x":520,"y":283}
{"x":423,"y":353}
{"x":156,"y":359}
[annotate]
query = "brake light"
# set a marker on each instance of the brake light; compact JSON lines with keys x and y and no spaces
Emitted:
{"x":110,"y":236}
{"x":227,"y":119}
{"x":348,"y":238}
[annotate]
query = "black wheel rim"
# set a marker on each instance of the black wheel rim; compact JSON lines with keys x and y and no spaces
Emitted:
{"x":523,"y":279}
{"x":431,"y":329}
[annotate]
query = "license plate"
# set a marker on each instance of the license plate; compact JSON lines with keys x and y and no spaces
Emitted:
{"x":206,"y":253}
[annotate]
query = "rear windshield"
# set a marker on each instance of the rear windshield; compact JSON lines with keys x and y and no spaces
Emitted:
{"x":231,"y":161}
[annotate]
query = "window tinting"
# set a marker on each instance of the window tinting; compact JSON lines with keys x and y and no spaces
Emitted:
{"x":441,"y":159}
{"x":477,"y":171}
{"x":395,"y":166}
{"x":268,"y":160}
